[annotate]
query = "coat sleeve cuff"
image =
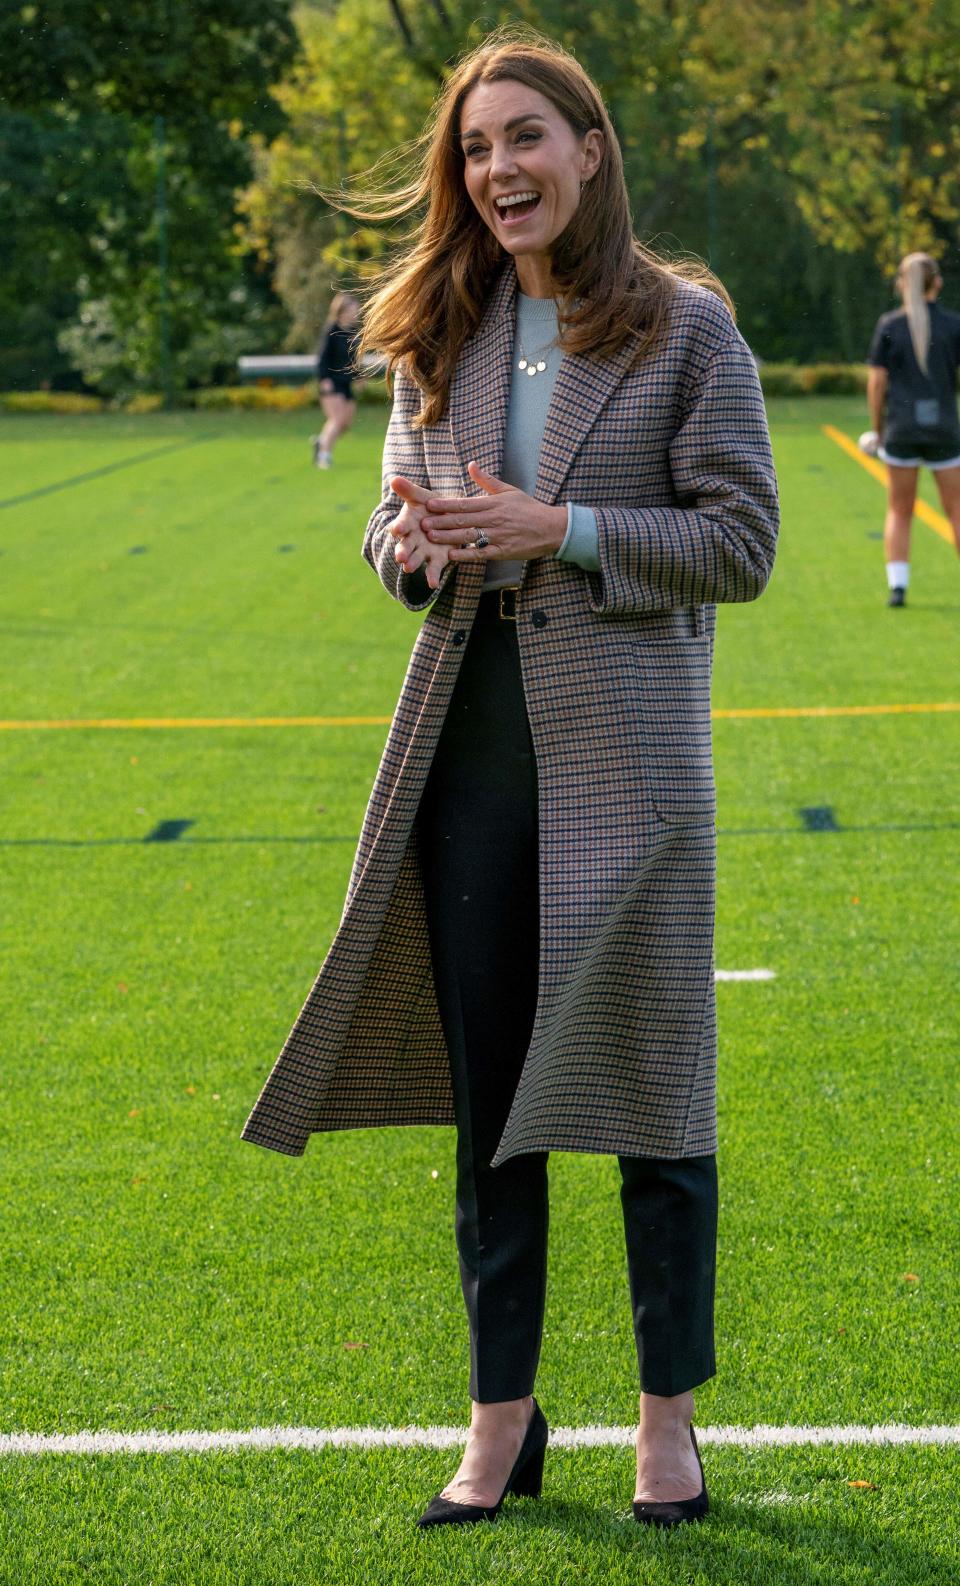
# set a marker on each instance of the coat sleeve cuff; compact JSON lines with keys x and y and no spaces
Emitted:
{"x":581,"y":543}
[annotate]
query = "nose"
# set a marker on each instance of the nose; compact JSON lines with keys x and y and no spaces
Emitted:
{"x":503,"y":165}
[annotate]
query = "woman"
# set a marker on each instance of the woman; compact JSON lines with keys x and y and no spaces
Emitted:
{"x":577,"y":467}
{"x":336,"y":369}
{"x":912,"y":395}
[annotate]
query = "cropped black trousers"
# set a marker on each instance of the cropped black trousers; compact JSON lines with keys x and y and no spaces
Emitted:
{"x":479,"y":851}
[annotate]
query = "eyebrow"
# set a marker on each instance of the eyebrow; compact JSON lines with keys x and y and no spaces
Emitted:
{"x":508,"y":126}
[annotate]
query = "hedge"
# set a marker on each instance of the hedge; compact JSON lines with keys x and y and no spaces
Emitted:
{"x":814,"y":379}
{"x":777,"y":379}
{"x":50,"y":402}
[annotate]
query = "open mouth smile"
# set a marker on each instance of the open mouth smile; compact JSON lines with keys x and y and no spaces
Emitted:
{"x":514,"y":207}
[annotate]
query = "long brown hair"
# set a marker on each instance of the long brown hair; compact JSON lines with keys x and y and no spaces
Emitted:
{"x":610,"y":287}
{"x":916,"y":274}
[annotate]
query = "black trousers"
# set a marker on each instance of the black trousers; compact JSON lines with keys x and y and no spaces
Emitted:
{"x":479,"y":849}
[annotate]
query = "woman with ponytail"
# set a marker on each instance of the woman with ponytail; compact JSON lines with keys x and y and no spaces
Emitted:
{"x":912,"y":394}
{"x":577,"y":468}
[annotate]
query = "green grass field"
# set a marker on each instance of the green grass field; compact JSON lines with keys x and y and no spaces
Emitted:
{"x":158,"y":1273}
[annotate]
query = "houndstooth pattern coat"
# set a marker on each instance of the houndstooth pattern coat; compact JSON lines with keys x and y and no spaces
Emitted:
{"x":674,"y":456}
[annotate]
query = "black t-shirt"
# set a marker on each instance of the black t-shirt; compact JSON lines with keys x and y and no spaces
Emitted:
{"x":336,"y":353}
{"x":921,"y":408}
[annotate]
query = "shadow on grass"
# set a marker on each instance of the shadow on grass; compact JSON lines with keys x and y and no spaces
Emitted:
{"x":786,"y":1539}
{"x":347,"y":1519}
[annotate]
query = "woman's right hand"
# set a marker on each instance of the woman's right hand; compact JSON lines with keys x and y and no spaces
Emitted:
{"x":411,"y":547}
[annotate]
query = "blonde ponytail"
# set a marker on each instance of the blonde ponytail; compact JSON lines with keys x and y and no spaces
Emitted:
{"x":916,"y":275}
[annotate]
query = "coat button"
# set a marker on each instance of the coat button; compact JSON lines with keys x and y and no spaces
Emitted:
{"x":459,"y":636}
{"x":539,"y":619}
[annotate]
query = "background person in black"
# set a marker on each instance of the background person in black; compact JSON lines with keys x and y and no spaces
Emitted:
{"x":912,"y":394}
{"x":336,"y":372}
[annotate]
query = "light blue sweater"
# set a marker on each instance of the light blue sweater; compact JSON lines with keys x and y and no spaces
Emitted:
{"x":526,"y":419}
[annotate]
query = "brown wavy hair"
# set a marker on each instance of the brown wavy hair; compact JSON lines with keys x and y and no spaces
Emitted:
{"x":426,"y":303}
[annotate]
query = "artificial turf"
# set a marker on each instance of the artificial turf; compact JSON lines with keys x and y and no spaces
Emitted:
{"x":160,"y":1273}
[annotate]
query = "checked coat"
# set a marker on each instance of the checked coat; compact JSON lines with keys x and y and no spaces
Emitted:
{"x":673,"y":455}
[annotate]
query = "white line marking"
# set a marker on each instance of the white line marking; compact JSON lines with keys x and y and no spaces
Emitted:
{"x":261,"y":1437}
{"x":745,"y":974}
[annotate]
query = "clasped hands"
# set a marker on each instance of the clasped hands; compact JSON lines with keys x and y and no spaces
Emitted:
{"x":429,"y":531}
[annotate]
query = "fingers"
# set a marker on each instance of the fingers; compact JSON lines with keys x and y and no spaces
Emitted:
{"x":408,"y":491}
{"x":469,"y":553}
{"x":453,"y":535}
{"x":408,"y":556}
{"x":414,"y":552}
{"x":486,"y":481}
{"x":477,"y":505}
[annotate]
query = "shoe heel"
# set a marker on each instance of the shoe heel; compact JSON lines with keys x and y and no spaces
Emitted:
{"x":528,"y":1482}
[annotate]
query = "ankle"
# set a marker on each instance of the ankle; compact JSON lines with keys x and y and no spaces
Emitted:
{"x":660,"y":1415}
{"x":501,"y":1415}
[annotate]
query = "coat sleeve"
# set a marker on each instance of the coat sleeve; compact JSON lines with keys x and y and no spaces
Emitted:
{"x":718,"y":542}
{"x":402,"y":454}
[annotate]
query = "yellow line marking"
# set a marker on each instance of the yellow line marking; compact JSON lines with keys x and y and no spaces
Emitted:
{"x":838,"y":710}
{"x":936,"y":520}
{"x":201,"y":721}
{"x":746,"y":714}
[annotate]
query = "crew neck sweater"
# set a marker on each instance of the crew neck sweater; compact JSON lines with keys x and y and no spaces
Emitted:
{"x":536,"y":339}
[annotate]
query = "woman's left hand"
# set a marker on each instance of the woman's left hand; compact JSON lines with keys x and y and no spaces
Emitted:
{"x":516,"y":526}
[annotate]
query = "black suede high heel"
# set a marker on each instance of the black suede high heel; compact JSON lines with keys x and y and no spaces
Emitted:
{"x":525,"y":1481}
{"x":681,"y":1509}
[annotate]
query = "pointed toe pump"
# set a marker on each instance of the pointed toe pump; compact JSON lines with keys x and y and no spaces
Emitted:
{"x":525,"y":1481}
{"x":681,"y":1509}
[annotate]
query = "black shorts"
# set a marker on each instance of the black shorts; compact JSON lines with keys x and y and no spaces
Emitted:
{"x":342,"y":386}
{"x":903,"y":454}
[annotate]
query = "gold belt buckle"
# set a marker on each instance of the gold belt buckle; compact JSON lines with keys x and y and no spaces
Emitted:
{"x":508,"y":609}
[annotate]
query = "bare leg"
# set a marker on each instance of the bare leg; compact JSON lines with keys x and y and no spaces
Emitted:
{"x":902,"y":493}
{"x":493,"y":1443}
{"x":667,"y":1467}
{"x":948,"y":484}
{"x":340,"y":411}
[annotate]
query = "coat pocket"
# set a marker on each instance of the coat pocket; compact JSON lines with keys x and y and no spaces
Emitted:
{"x":675,"y":732}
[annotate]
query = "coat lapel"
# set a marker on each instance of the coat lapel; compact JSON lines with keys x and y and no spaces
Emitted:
{"x":480,"y":388}
{"x":583,"y":387}
{"x":480,"y":393}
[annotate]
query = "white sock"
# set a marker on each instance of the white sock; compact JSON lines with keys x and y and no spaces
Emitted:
{"x":898,"y":575}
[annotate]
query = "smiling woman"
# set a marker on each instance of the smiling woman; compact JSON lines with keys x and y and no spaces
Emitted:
{"x":576,"y":469}
{"x":610,"y":289}
{"x":525,"y":169}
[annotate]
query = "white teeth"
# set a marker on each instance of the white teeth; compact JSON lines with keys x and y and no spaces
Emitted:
{"x":514,"y":198}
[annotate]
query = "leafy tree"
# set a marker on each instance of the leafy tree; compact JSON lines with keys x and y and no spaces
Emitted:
{"x":701,"y":178}
{"x":857,"y":104}
{"x":108,"y":90}
{"x":345,"y":106}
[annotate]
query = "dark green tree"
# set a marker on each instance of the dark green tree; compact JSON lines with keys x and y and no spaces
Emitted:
{"x":124,"y":128}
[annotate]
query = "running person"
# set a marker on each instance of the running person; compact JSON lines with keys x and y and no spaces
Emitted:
{"x":912,"y":394}
{"x":335,"y":374}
